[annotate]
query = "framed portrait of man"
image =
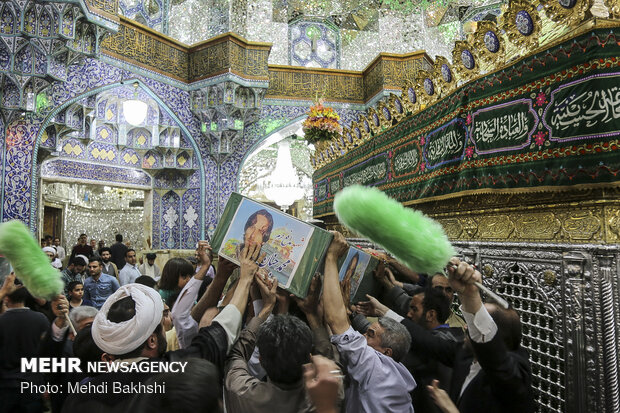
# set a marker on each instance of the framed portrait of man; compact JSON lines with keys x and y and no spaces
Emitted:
{"x":356,"y":274}
{"x":293,"y":249}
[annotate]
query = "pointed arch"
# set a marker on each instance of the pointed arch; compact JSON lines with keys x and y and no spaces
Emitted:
{"x":165,"y":108}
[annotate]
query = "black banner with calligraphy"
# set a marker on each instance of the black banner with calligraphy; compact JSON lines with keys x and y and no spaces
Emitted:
{"x":588,"y":107}
{"x":445,"y":144}
{"x":550,"y":125}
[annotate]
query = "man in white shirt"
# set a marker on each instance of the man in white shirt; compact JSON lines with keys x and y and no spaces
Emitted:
{"x":378,"y":381}
{"x":185,"y":325}
{"x":130,"y":271}
{"x":60,"y":251}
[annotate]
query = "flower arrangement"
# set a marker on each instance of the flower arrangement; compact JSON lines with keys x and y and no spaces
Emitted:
{"x":321,"y":123}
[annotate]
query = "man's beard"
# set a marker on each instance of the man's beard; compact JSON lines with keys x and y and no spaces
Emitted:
{"x":422,"y":322}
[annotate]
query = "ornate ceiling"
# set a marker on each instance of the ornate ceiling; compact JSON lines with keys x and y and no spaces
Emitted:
{"x":365,"y":27}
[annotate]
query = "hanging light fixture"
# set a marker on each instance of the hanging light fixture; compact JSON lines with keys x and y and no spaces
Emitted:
{"x":284,"y":188}
{"x":134,"y":109}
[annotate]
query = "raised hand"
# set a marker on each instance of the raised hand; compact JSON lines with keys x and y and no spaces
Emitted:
{"x":462,"y":277}
{"x":338,"y":245}
{"x":202,"y":253}
{"x":441,"y":398}
{"x":323,"y":379}
{"x":372,"y":307}
{"x":224,"y":268}
{"x":60,"y":308}
{"x":267,"y":287}
{"x":249,"y":261}
{"x":8,"y":286}
{"x":381,"y":275}
{"x":60,"y":305}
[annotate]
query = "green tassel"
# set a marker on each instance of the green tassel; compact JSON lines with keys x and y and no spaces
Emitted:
{"x":29,"y":262}
{"x":411,"y":237}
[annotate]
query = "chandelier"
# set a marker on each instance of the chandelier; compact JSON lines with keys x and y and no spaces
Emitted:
{"x":283,"y":187}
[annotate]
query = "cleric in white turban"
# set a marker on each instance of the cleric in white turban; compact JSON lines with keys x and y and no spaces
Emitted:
{"x":127,"y":319}
{"x":51,"y":253}
{"x":128,"y":329}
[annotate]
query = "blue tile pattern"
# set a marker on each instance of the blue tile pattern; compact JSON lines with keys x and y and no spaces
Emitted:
{"x":101,"y":152}
{"x":106,"y":133}
{"x":206,"y":190}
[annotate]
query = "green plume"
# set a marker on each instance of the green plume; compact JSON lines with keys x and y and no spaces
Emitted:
{"x":410,"y":236}
{"x":29,"y":262}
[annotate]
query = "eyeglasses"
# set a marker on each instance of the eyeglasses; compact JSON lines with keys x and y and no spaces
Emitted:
{"x":448,"y":290}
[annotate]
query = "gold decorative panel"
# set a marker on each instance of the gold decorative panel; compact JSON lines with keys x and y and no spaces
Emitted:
{"x":495,"y":226}
{"x":536,"y":226}
{"x":299,"y":83}
{"x":140,"y":45}
{"x":392,"y":71}
{"x":569,"y":16}
{"x":229,"y":52}
{"x":575,"y":216}
{"x":522,"y":24}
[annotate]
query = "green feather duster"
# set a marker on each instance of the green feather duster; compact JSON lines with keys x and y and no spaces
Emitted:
{"x":410,"y":236}
{"x":29,"y":262}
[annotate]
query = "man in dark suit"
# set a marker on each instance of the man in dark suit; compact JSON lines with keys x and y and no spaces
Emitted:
{"x":490,"y":371}
{"x":118,"y":251}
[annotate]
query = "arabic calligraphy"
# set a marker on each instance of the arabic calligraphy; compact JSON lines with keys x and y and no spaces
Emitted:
{"x":585,"y":108}
{"x":334,"y":185}
{"x":406,"y":161}
{"x":494,"y":130}
{"x":293,"y":82}
{"x":145,"y":48}
{"x":588,"y":109}
{"x":511,"y":127}
{"x":445,"y":144}
{"x":322,"y":191}
{"x":368,"y":175}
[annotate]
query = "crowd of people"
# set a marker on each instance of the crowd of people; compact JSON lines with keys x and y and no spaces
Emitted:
{"x":249,"y":346}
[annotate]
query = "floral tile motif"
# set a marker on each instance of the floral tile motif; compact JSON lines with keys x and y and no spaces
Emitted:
{"x":48,"y":138}
{"x":130,"y":157}
{"x":72,"y":148}
{"x":17,"y":170}
{"x":151,"y":160}
{"x":2,"y":153}
{"x":190,"y":206}
{"x":156,"y":244}
{"x":169,"y":229}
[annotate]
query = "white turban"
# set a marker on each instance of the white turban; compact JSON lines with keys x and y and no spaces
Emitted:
{"x":121,"y":338}
{"x":83,"y":257}
{"x":49,"y":249}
